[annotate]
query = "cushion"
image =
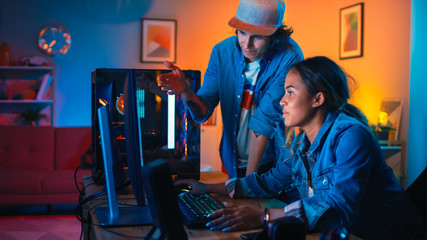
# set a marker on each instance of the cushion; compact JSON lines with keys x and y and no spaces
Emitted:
{"x":27,"y":147}
{"x":72,"y":143}
{"x":23,"y":181}
{"x":62,"y":181}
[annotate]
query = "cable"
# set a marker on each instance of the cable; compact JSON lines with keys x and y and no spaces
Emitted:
{"x":84,"y":200}
{"x":75,"y":175}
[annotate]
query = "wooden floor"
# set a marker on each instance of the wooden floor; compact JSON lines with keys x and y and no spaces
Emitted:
{"x":39,"y":223}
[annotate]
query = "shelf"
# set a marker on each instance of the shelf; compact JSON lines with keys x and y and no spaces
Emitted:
{"x":23,"y":72}
{"x":19,"y":83}
{"x":391,"y":148}
{"x":14,"y":106}
{"x":395,"y":155}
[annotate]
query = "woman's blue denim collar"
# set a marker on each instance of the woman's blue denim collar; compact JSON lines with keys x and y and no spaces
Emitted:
{"x":305,"y":143}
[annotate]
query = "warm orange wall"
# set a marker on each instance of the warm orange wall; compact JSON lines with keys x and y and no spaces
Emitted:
{"x":383,"y":71}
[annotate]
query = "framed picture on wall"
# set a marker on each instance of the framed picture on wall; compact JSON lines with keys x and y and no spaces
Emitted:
{"x":158,"y":40}
{"x":351,"y":31}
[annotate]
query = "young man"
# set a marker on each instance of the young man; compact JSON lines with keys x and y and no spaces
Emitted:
{"x":245,"y":75}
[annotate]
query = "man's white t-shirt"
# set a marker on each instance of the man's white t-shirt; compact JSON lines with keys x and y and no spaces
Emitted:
{"x":247,"y":108}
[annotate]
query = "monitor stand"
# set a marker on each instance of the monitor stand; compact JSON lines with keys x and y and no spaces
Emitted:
{"x":113,"y":215}
{"x":127,"y":216}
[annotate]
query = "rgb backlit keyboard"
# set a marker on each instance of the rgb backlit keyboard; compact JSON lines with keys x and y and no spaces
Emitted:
{"x":196,"y":208}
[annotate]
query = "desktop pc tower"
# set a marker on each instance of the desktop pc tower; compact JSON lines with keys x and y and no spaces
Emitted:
{"x":167,"y":129}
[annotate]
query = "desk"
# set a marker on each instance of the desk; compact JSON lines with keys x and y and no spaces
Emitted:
{"x":92,"y":230}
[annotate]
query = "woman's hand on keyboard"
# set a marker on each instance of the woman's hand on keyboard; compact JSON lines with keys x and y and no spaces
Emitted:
{"x":236,"y":217}
{"x":195,"y":186}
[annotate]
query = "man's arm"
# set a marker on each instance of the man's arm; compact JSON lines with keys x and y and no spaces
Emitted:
{"x":257,"y":145}
{"x":196,"y":106}
{"x":174,"y":83}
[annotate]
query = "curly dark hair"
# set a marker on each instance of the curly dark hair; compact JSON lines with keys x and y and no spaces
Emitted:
{"x":279,"y":38}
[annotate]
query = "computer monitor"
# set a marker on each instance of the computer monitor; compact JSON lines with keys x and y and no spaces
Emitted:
{"x":114,"y":215}
{"x":163,"y":201}
{"x":134,"y":157}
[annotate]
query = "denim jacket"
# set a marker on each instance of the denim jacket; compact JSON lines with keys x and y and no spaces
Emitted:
{"x":352,"y":184}
{"x":223,"y":83}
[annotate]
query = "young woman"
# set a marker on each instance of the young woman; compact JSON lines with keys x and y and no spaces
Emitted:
{"x":337,"y":166}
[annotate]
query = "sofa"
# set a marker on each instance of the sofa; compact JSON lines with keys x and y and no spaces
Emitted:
{"x":38,"y":163}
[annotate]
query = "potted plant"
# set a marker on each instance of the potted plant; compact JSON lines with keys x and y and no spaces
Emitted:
{"x":31,"y":117}
{"x":381,"y":132}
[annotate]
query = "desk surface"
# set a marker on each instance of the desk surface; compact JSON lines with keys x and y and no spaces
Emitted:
{"x":139,"y":232}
